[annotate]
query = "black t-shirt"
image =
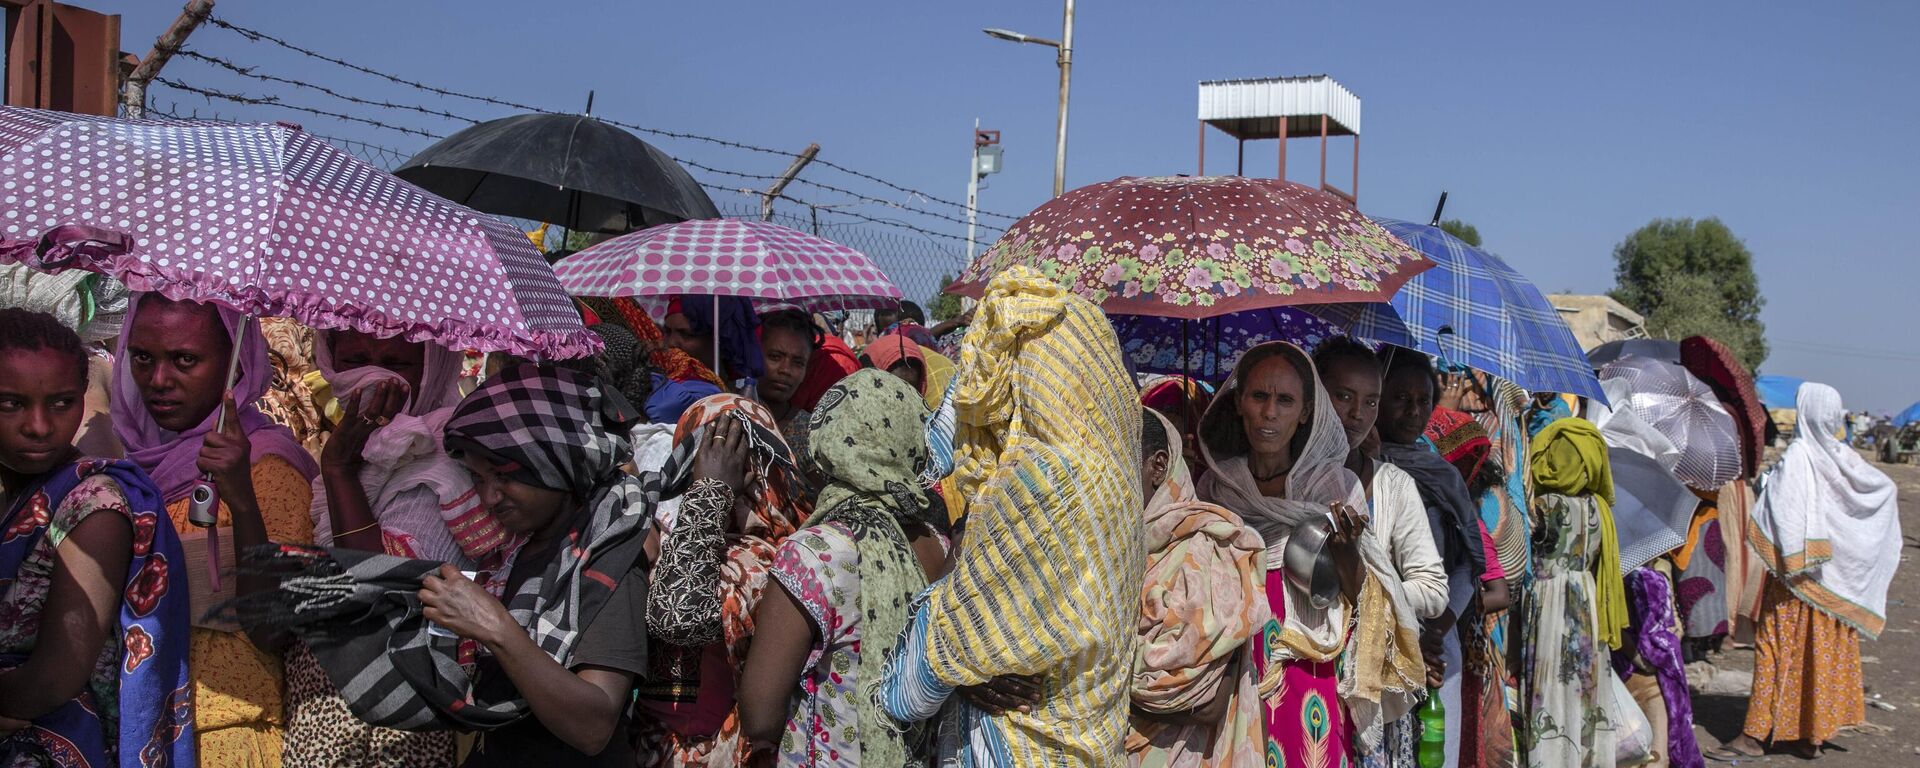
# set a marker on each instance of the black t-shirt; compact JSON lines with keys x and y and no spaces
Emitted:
{"x":616,"y":639}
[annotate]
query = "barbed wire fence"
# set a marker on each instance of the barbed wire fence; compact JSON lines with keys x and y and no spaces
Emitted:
{"x":237,"y":73}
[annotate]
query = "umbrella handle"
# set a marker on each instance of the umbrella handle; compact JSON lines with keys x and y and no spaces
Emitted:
{"x":201,"y":509}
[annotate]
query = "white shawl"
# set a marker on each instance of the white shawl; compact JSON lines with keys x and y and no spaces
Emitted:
{"x":1828,"y":523}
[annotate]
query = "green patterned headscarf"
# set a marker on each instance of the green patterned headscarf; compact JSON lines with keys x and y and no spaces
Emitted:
{"x":869,"y":439}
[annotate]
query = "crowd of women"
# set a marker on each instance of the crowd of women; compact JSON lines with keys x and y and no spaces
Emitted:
{"x":997,"y":547}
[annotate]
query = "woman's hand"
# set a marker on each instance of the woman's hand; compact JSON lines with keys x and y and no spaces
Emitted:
{"x":363,"y":414}
{"x":1006,"y":693}
{"x":724,"y":457}
{"x":1348,"y":524}
{"x":453,"y":601}
{"x":9,"y":725}
{"x":227,"y":455}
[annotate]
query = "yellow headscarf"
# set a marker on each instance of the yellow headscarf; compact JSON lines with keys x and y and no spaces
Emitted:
{"x":1570,"y":458}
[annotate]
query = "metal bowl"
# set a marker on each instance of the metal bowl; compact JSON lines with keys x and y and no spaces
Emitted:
{"x":1309,"y":563}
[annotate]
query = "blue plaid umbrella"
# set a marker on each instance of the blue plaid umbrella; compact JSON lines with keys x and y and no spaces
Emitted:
{"x":1474,"y":310}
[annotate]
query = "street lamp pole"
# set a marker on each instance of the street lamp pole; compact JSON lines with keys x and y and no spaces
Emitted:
{"x":1065,"y":47}
{"x":1066,"y":79}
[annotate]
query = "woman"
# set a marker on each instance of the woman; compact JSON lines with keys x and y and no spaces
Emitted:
{"x":712,"y":572}
{"x":579,"y":572}
{"x":387,"y":485}
{"x":1578,"y":606}
{"x":169,"y":382}
{"x":689,"y":327}
{"x":1827,"y":527}
{"x":1406,"y":405}
{"x":93,"y":602}
{"x":900,"y":356}
{"x":1047,"y":447}
{"x":850,"y":574}
{"x":1486,"y":728}
{"x":1194,"y":700}
{"x":787,"y":342}
{"x":1352,"y":375}
{"x":1275,"y":451}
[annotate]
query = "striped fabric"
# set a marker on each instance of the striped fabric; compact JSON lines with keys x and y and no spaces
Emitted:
{"x":1498,"y":321}
{"x":1048,"y":457}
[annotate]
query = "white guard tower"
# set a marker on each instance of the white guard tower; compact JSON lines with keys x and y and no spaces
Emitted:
{"x":1282,"y":108}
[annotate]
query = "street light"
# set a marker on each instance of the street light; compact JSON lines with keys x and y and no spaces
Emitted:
{"x":1065,"y":46}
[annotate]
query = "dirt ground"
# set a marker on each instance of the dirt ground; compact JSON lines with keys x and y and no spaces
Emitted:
{"x":1891,"y":667}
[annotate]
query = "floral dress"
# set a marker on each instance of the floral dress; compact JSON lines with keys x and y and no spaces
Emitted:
{"x":819,"y":568}
{"x":1562,"y":719}
{"x":22,"y":599}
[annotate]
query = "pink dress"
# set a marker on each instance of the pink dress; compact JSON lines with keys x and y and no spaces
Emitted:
{"x":1306,"y":728}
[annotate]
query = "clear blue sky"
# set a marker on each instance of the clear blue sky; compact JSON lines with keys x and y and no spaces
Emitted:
{"x":1556,"y":129}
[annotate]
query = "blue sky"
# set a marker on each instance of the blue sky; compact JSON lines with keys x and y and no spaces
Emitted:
{"x":1556,"y":129}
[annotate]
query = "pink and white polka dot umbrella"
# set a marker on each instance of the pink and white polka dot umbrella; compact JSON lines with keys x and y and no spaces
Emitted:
{"x":730,"y":257}
{"x":272,"y":221}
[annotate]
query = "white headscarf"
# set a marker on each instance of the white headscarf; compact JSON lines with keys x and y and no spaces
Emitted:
{"x":1384,"y":643}
{"x":1827,"y":522}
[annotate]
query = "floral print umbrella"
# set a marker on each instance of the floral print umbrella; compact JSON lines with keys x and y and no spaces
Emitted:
{"x":269,"y":220}
{"x":1196,"y":247}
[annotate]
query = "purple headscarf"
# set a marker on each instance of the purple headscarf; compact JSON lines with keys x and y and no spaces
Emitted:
{"x":170,"y":457}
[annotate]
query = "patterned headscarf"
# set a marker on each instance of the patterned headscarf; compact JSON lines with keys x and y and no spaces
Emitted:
{"x":1460,"y":440}
{"x":776,"y":493}
{"x":677,"y":365}
{"x":869,"y":436}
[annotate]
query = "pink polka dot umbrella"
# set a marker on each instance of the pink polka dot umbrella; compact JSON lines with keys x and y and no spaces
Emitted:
{"x":1199,"y":247}
{"x":271,"y":221}
{"x":730,"y":257}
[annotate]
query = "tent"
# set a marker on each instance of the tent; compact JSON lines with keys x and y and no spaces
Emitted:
{"x":1778,"y":392}
{"x":1908,"y":416}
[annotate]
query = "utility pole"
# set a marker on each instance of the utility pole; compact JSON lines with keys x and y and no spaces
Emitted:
{"x":973,"y":189}
{"x":1066,"y":78}
{"x":134,"y":99}
{"x":799,"y":162}
{"x":986,"y":159}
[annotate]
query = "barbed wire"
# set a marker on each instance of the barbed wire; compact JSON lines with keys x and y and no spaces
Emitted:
{"x":250,"y":72}
{"x":258,"y":36}
{"x":275,"y":101}
{"x":850,"y":193}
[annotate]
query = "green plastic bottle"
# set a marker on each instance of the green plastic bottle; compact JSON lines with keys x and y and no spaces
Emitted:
{"x":1433,"y":731}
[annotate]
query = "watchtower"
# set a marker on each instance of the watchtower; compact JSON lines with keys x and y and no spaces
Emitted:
{"x":1282,"y":108}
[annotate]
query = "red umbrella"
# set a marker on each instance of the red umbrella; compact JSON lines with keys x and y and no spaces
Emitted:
{"x":1195,"y":247}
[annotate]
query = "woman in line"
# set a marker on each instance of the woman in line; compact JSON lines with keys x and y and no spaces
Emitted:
{"x":689,"y":327}
{"x":93,"y":597}
{"x":1827,"y":527}
{"x":562,"y":622}
{"x":1194,"y":700}
{"x":711,"y":575}
{"x":386,"y":485}
{"x":1352,"y":375}
{"x":788,"y":339}
{"x":1275,"y":451}
{"x":806,"y":694}
{"x":1578,"y":606}
{"x":897,"y":354}
{"x":170,"y":380}
{"x":1047,"y":447}
{"x":1406,"y":405}
{"x":1486,"y":728}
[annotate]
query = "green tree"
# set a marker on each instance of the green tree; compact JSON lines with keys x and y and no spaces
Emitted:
{"x":943,"y":306}
{"x":1462,"y":230}
{"x":1693,"y":278}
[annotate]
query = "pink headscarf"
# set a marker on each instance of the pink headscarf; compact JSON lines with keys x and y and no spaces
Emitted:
{"x":169,"y":457}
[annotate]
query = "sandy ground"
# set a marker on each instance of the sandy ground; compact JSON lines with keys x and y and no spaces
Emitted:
{"x":1891,"y":667}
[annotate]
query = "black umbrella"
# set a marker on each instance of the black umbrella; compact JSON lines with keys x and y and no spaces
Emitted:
{"x":571,"y":170}
{"x":1658,"y":349}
